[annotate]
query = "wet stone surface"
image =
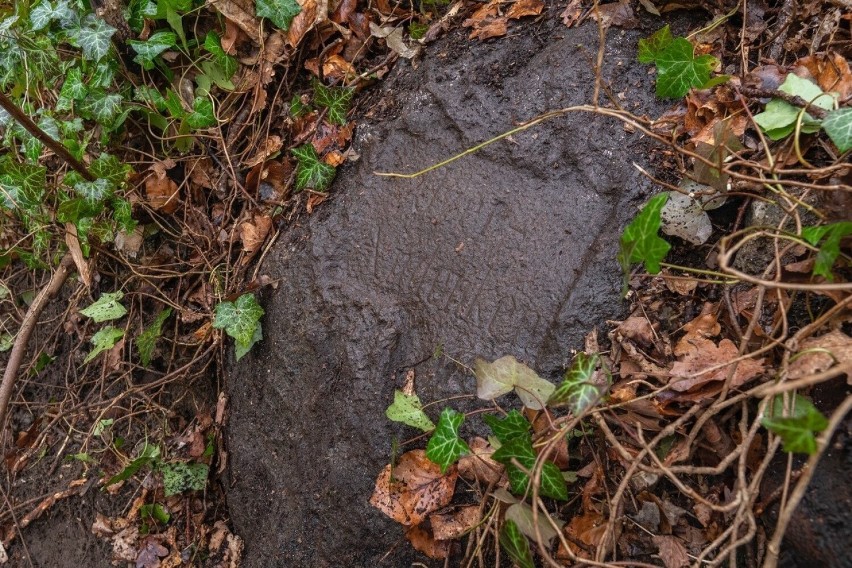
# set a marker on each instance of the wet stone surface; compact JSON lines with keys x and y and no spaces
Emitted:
{"x":508,"y":251}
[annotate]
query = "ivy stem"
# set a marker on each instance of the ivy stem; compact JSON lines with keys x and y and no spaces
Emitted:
{"x":43,"y":137}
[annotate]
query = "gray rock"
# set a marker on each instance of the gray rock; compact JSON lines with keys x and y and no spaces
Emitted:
{"x":508,"y":251}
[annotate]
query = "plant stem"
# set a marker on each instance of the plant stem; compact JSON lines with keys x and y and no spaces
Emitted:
{"x":27,"y":327}
{"x":43,"y":137}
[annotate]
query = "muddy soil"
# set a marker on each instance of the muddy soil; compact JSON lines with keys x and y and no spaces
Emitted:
{"x":508,"y":251}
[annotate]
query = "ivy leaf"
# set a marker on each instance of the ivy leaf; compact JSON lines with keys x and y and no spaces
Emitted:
{"x":498,"y":378}
{"x":445,"y":446}
{"x":516,"y":545}
{"x":335,"y":99}
{"x":279,"y":12}
{"x":241,"y":349}
{"x":94,"y":38}
{"x":147,"y":50}
{"x":779,"y":118}
{"x":520,"y":448}
{"x":44,"y":13}
{"x":311,"y":172}
{"x":239,"y":319}
{"x":107,"y":307}
{"x":830,"y":237}
{"x":73,"y":89}
{"x":102,"y":106}
{"x":838,"y":125}
{"x":72,"y":210}
{"x":407,"y":408}
{"x":148,"y":455}
{"x":21,"y":185}
{"x":510,"y":427}
{"x":147,"y":340}
{"x":202,"y":115}
{"x":94,"y":191}
{"x":122,"y":214}
{"x":137,"y":11}
{"x":227,"y":63}
{"x":651,"y":48}
{"x":640,"y":242}
{"x":678,"y":70}
{"x":577,"y":389}
{"x":797,"y":431}
{"x":808,"y":91}
{"x":103,"y":340}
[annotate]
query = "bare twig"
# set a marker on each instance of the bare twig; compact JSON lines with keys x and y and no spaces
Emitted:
{"x":27,"y":327}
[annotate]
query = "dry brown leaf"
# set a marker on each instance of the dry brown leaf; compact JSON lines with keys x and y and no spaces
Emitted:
{"x":304,"y":21}
{"x":422,"y":540}
{"x":831,"y":72}
{"x":315,"y":200}
{"x":700,"y":354}
{"x":162,"y":194}
{"x":253,"y":233}
{"x":241,"y":13}
{"x":269,"y":180}
{"x":73,"y":244}
{"x":495,"y":27}
{"x":702,"y":327}
{"x":638,"y":330}
{"x":618,"y":14}
{"x":680,"y":285}
{"x":447,"y":526}
{"x":523,"y":8}
{"x":478,"y":465}
{"x":817,"y":354}
{"x":418,"y":488}
{"x":572,"y":15}
{"x":201,"y":173}
{"x":588,"y":528}
{"x":231,"y":37}
{"x":671,"y":551}
{"x":271,"y":145}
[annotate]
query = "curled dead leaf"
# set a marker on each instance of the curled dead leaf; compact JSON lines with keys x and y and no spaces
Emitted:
{"x":423,"y":540}
{"x":447,"y":526}
{"x":161,"y":194}
{"x":478,"y":465}
{"x":523,"y":8}
{"x":253,"y":233}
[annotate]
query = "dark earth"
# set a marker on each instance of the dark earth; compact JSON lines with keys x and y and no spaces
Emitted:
{"x":510,"y":251}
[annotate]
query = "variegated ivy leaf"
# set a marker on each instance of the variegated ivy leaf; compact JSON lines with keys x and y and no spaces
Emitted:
{"x":102,"y":107}
{"x":445,"y":446}
{"x":147,"y":50}
{"x":21,"y":185}
{"x":94,"y":37}
{"x":578,"y":391}
{"x":73,"y":89}
{"x":94,"y":191}
{"x":311,"y":172}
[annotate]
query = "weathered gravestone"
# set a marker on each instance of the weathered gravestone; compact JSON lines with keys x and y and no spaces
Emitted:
{"x":508,"y":251}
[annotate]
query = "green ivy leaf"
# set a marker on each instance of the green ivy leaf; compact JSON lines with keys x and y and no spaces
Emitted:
{"x":779,"y":118}
{"x":512,"y":426}
{"x":242,"y":349}
{"x":147,"y":456}
{"x":94,"y":191}
{"x":147,"y":340}
{"x":94,"y":38}
{"x":102,"y":107}
{"x":445,"y":446}
{"x":202,"y":115}
{"x":520,"y":448}
{"x":73,"y":89}
{"x":808,"y":91}
{"x":108,"y":167}
{"x":147,"y":50}
{"x":516,"y":545}
{"x":828,"y":238}
{"x":407,"y":408}
{"x":279,"y":12}
{"x":122,"y":214}
{"x":103,"y":340}
{"x":797,"y":431}
{"x":22,"y":186}
{"x":137,"y":11}
{"x":108,"y":307}
{"x":335,"y":99}
{"x":227,"y":63}
{"x":651,"y":48}
{"x":678,"y":70}
{"x":577,"y":390}
{"x":240,"y":319}
{"x":74,"y":209}
{"x":640,"y":241}
{"x":179,"y":477}
{"x":838,"y":125}
{"x":311,"y":172}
